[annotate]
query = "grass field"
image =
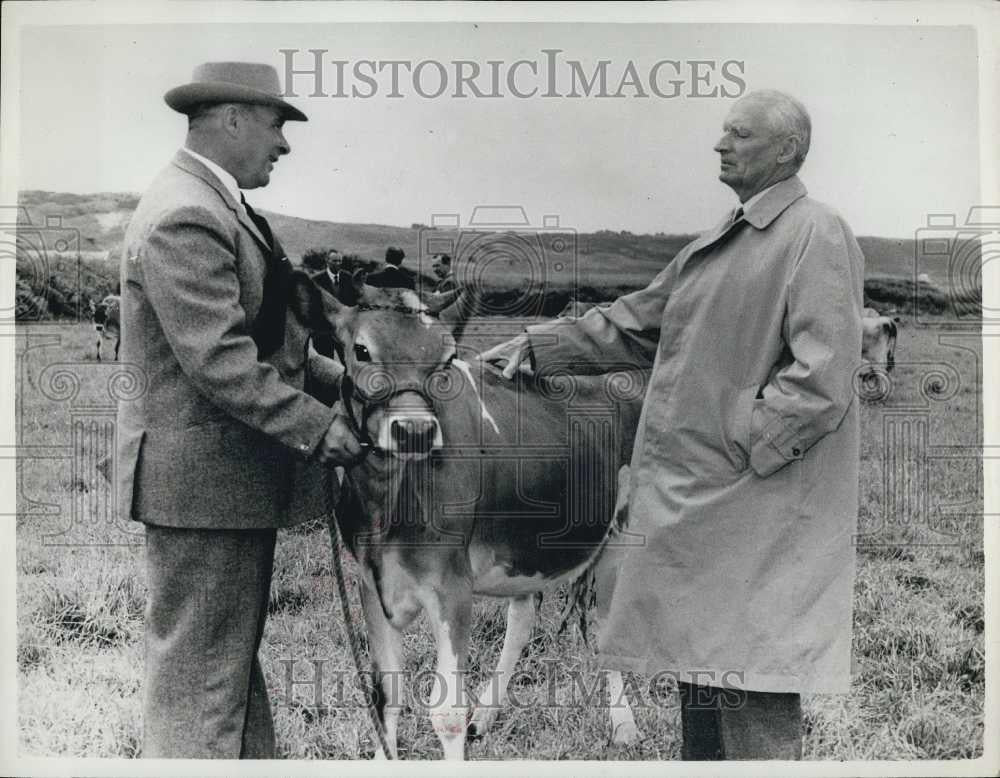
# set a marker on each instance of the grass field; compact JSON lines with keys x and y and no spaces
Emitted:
{"x":918,"y":641}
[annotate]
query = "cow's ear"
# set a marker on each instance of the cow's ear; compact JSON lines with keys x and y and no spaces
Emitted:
{"x":349,"y":286}
{"x":315,"y":308}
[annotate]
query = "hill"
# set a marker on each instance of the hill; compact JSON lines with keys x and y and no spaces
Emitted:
{"x":598,"y":265}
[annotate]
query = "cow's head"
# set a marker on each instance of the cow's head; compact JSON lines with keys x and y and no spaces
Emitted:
{"x":878,"y":341}
{"x":394,"y":348}
{"x":99,"y":313}
{"x":878,"y":352}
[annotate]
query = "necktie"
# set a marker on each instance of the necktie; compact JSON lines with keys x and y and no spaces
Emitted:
{"x":260,"y":222}
{"x":737,"y":214}
{"x":269,"y":325}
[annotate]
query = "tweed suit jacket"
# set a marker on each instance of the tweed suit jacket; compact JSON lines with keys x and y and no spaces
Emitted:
{"x":215,"y":437}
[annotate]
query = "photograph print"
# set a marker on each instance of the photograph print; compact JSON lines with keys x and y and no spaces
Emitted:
{"x":493,"y":383}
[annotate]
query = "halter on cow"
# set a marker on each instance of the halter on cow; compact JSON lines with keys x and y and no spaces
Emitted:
{"x":473,"y":486}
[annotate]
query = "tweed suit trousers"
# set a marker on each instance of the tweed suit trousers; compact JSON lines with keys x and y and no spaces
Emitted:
{"x":205,"y":696}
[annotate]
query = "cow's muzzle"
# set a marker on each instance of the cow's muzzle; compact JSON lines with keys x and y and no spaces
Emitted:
{"x":408,"y":428}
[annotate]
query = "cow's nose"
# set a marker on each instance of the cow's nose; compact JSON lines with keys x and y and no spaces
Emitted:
{"x":413,"y":434}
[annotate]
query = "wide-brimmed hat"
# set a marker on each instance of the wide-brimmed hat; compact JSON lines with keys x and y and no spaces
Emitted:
{"x":232,"y":82}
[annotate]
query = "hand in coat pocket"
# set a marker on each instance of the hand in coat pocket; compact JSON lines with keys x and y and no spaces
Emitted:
{"x":739,"y":427}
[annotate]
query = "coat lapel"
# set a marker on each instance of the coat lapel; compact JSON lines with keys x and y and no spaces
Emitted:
{"x":759,"y":215}
{"x":190,"y":165}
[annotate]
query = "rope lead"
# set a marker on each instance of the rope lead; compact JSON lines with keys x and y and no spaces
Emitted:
{"x":336,"y":547}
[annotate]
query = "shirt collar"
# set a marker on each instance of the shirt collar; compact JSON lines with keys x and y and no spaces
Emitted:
{"x":221,"y":173}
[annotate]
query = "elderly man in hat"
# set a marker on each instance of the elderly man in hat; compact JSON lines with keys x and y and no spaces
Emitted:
{"x":223,"y":447}
{"x":744,"y":475}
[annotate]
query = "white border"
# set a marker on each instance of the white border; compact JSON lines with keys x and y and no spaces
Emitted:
{"x":982,"y":15}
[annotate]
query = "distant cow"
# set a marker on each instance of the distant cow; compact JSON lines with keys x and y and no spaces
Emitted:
{"x":107,"y":321}
{"x":878,"y":351}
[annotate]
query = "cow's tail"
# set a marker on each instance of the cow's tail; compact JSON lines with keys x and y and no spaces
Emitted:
{"x":582,"y":594}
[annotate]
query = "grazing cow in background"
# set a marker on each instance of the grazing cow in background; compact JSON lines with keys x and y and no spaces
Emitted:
{"x":878,"y":351}
{"x":509,"y":492}
{"x":878,"y":342}
{"x":107,"y":319}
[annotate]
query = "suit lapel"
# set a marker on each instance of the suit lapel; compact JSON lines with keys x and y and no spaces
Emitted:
{"x":190,"y":165}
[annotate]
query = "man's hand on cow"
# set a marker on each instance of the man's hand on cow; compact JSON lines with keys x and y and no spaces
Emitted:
{"x":339,"y":446}
{"x":515,"y":351}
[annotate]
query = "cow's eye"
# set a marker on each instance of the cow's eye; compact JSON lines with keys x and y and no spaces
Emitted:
{"x":361,"y":353}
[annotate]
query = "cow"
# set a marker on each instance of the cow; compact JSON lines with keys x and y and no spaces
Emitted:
{"x":474,"y":486}
{"x":878,"y":352}
{"x":107,"y":319}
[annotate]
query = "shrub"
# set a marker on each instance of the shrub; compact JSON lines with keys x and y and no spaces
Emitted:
{"x":315,"y":259}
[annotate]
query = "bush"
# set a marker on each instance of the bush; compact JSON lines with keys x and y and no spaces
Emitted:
{"x":905,"y":296}
{"x":64,"y":295}
{"x":315,"y":259}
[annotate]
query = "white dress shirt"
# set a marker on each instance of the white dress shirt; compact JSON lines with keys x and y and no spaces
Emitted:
{"x":222,"y":174}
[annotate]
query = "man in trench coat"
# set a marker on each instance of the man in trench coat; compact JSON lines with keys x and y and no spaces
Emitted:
{"x":222,"y":447}
{"x":744,"y":475}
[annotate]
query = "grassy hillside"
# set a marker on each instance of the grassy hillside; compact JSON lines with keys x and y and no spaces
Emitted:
{"x":601,"y":264}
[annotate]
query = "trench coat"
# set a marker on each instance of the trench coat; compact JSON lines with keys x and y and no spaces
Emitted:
{"x":744,"y":476}
{"x":212,"y":438}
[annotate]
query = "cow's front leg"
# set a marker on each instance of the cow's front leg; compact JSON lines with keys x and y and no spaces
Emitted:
{"x":521,"y":614}
{"x":386,"y":647}
{"x":623,"y":728}
{"x":449,"y":610}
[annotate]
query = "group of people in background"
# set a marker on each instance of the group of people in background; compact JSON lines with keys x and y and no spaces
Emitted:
{"x":390,"y":274}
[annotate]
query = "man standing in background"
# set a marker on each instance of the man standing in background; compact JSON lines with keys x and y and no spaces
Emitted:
{"x":392,"y":274}
{"x":441,"y":267}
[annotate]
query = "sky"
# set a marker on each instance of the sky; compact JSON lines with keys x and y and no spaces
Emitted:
{"x":894,"y":113}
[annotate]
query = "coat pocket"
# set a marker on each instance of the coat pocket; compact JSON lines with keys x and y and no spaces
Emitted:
{"x":741,"y":414}
{"x":128,"y":455}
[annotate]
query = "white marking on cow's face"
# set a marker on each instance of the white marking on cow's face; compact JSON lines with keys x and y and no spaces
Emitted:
{"x":467,"y":371}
